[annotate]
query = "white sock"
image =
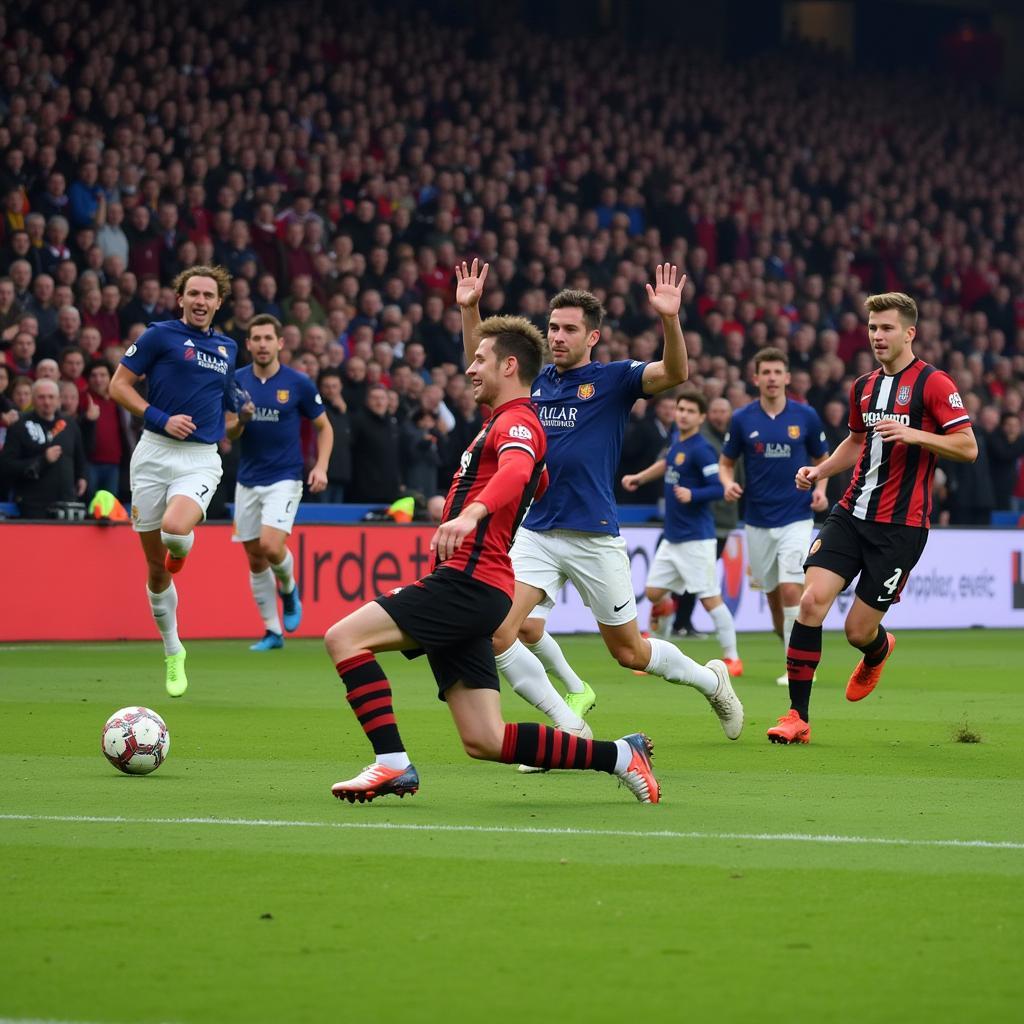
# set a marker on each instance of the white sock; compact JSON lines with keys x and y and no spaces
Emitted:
{"x":525,"y":674}
{"x":623,"y":756}
{"x":396,"y":762}
{"x":725,"y":629}
{"x":265,"y":594}
{"x":164,"y":607}
{"x":553,"y":660}
{"x":283,"y":572}
{"x":789,"y":614}
{"x":670,"y":663}
{"x":178,"y":544}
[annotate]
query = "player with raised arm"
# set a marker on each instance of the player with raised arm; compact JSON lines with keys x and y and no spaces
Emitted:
{"x":452,"y":613}
{"x":175,"y":468}
{"x":686,"y":557}
{"x":775,"y":435}
{"x":269,"y":486}
{"x":903,"y":416}
{"x":572,"y":532}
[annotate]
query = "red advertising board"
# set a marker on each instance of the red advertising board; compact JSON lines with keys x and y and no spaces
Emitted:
{"x":87,"y":582}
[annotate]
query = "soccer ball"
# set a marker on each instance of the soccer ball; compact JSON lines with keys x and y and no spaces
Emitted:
{"x":135,"y":741}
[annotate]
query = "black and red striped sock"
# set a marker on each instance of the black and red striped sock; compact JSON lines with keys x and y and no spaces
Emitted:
{"x":802,"y":659}
{"x":544,"y":747}
{"x":875,"y":652}
{"x":369,"y":696}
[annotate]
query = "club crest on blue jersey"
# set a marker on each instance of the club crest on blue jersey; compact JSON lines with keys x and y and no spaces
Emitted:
{"x":190,"y":353}
{"x":585,"y":391}
{"x":282,"y":396}
{"x":903,"y":395}
{"x":680,"y":458}
{"x":223,"y":351}
{"x":793,"y":430}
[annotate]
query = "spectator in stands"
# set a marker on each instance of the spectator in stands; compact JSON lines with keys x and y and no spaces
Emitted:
{"x":144,"y":307}
{"x":376,"y":451}
{"x":422,"y":453}
{"x":103,"y":433}
{"x":69,"y":322}
{"x":41,"y":304}
{"x":1005,"y":452}
{"x":339,"y":469}
{"x":43,"y":457}
{"x":10,"y":309}
{"x":644,"y":441}
{"x":21,"y":356}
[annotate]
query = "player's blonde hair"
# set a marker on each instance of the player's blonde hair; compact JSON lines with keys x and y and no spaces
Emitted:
{"x":515,"y":336}
{"x":904,"y":305}
{"x":218,"y":273}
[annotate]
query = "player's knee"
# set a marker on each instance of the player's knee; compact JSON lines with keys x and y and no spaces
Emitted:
{"x":338,"y":641}
{"x":531,"y":631}
{"x":630,"y":655}
{"x":481,"y":746}
{"x":503,"y":638}
{"x":857,"y":635}
{"x":812,"y":607}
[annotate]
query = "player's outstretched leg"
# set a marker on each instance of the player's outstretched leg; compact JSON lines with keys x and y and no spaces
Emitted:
{"x":369,"y":695}
{"x":869,"y":669}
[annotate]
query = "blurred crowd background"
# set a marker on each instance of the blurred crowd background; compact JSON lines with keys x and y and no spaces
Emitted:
{"x":340,"y":159}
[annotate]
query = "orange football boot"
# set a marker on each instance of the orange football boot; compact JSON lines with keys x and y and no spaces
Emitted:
{"x":865,"y":677}
{"x":790,"y":728}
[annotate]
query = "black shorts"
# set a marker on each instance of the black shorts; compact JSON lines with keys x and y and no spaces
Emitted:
{"x":452,"y":617}
{"x":882,"y":553}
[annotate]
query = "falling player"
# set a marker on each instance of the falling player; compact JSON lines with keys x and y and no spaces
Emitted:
{"x":175,"y":468}
{"x":269,"y":486}
{"x":572,"y":532}
{"x":903,"y":416}
{"x":451,"y":613}
{"x":686,"y":558}
{"x":775,"y":435}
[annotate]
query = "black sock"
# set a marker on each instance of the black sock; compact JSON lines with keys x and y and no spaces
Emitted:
{"x":369,"y":696}
{"x":802,"y":659}
{"x":875,"y":652}
{"x":543,"y":747}
{"x":684,"y":610}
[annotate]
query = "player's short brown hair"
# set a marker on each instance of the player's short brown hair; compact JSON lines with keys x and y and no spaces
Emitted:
{"x":515,"y":336}
{"x":265,"y":320}
{"x":577,"y":298}
{"x":218,"y":273}
{"x":904,"y":305}
{"x":695,"y":395}
{"x":770,"y":355}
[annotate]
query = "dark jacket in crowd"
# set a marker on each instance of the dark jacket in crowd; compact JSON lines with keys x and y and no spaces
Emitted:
{"x":644,"y":442}
{"x":422,"y":451}
{"x":376,"y":459}
{"x":1003,"y":456}
{"x":339,"y":468}
{"x":37,"y":482}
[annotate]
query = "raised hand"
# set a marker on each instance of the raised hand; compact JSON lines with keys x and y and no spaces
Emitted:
{"x":666,"y":296}
{"x":471,"y":282}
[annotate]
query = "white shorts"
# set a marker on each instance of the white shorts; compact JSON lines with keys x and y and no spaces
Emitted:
{"x":597,"y":566}
{"x":162,"y":467}
{"x":777,"y":553}
{"x":267,"y":505}
{"x":685,"y":567}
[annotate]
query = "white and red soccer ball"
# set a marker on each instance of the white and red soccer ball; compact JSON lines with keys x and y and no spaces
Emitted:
{"x":135,"y":741}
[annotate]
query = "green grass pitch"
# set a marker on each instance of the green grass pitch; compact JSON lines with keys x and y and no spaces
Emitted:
{"x":875,"y":875}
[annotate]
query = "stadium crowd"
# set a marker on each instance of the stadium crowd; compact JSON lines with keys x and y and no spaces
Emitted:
{"x":340,"y":161}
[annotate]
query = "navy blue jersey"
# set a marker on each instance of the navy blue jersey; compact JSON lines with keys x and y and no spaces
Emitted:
{"x":773,"y":449}
{"x":692,"y":463}
{"x":270,"y":442}
{"x":187,"y":372}
{"x":584,"y":413}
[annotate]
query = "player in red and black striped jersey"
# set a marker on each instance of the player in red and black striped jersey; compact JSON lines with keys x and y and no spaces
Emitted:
{"x":451,"y":614}
{"x":903,"y":417}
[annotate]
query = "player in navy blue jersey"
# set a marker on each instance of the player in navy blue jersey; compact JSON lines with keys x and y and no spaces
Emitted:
{"x":270,"y":471}
{"x":572,"y":532}
{"x":686,"y":557}
{"x":189,"y":370}
{"x":775,"y":436}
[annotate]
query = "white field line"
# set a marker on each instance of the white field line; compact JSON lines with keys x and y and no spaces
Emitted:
{"x":757,"y":837}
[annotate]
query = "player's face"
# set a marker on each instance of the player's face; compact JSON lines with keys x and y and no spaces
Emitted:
{"x":484,"y":373}
{"x":688,"y":417}
{"x":199,"y":302}
{"x":263,"y":344}
{"x":568,"y":338}
{"x":771,"y":379}
{"x":889,"y":338}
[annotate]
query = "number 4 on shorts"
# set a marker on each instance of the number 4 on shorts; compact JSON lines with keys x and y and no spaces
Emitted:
{"x":892,"y":585}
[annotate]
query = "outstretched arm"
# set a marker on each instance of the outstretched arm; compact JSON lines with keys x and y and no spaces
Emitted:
{"x":842,"y":459}
{"x":666,"y":298}
{"x":960,"y":446}
{"x":467,"y":295}
{"x":631,"y":481}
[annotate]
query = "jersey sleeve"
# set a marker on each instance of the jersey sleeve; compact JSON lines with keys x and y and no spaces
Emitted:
{"x":143,"y":352}
{"x":732,"y":446}
{"x":519,"y":431}
{"x":856,"y":420}
{"x":632,"y":380}
{"x":234,"y":396}
{"x":816,"y":443}
{"x":710,"y":488}
{"x":311,"y":405}
{"x":943,"y":402}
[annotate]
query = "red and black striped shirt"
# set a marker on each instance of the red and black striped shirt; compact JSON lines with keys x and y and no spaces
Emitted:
{"x":513,"y":434}
{"x":892,"y":481}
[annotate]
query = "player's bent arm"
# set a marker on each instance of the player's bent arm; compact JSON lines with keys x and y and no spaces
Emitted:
{"x":672,"y":369}
{"x":654,"y":471}
{"x":726,"y":470}
{"x":233,"y":426}
{"x":122,"y":391}
{"x":324,"y":446}
{"x":961,"y":446}
{"x":843,"y":458}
